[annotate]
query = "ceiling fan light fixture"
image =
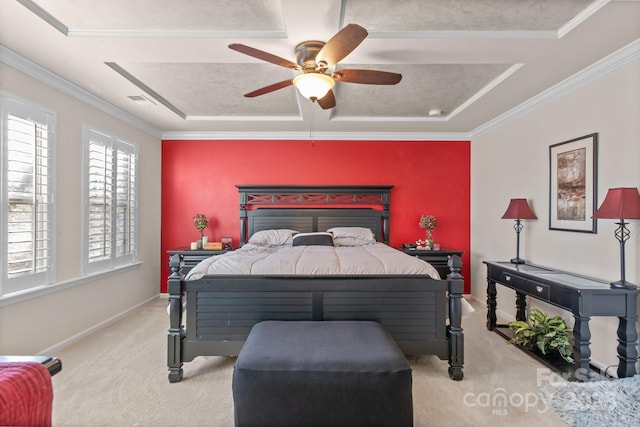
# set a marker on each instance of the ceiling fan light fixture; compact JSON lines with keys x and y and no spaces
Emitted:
{"x":313,"y":86}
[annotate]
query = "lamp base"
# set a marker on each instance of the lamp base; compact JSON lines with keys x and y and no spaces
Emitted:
{"x":623,"y":284}
{"x":517,"y":260}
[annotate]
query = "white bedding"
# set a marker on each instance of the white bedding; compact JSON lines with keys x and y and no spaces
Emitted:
{"x":376,"y":258}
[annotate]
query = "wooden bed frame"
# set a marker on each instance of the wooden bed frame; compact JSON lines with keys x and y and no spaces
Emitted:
{"x":220,"y":310}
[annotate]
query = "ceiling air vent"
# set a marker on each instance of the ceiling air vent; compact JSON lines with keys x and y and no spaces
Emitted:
{"x":141,"y":100}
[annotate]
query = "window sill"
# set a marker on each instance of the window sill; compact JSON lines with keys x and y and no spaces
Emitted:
{"x":39,"y":291}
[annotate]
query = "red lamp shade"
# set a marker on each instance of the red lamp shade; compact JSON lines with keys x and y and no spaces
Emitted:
{"x":519,"y":209}
{"x":620,"y":203}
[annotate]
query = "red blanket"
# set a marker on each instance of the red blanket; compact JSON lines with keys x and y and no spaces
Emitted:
{"x":26,"y":395}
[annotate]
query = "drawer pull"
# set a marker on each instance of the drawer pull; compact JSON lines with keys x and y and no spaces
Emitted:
{"x":507,"y":277}
{"x":539,"y":288}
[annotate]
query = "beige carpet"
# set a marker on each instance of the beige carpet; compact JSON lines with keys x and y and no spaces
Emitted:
{"x":118,"y":377}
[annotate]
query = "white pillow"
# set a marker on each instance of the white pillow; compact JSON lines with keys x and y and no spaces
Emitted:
{"x":352,"y":241}
{"x":352,"y":236}
{"x":277,"y":237}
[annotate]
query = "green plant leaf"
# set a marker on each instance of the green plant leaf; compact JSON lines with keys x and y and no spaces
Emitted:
{"x":547,"y":334}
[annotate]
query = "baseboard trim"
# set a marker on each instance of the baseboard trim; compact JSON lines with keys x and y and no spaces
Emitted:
{"x":83,"y":334}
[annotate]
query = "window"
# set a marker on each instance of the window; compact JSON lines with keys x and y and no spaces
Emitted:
{"x":27,"y":196}
{"x":111,"y":202}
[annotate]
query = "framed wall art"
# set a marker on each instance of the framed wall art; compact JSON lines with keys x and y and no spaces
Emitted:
{"x":572,"y":184}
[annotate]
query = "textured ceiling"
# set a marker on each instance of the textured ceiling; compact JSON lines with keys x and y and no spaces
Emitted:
{"x":471,"y":59}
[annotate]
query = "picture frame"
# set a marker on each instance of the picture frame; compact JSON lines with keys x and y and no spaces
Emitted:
{"x":227,"y":243}
{"x":573,"y":167}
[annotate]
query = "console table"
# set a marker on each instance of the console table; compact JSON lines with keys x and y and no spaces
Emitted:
{"x":584,"y":297}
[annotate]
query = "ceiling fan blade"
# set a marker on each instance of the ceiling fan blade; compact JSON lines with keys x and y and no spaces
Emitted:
{"x":264,"y":56}
{"x":270,"y":88}
{"x":370,"y":77}
{"x":341,"y":44}
{"x":328,"y":101}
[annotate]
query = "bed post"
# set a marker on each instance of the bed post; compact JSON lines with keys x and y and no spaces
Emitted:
{"x":243,"y":217}
{"x":174,"y":353}
{"x":455,"y":335}
{"x":386,"y":201}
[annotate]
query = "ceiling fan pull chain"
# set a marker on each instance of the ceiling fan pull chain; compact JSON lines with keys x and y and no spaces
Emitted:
{"x":311,"y":129}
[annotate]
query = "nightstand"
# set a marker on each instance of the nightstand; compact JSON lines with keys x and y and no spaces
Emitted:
{"x":439,"y":259}
{"x":189,"y":258}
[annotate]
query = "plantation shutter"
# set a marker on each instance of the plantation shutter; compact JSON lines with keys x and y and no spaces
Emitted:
{"x":100,"y":200}
{"x":111,"y":197}
{"x":28,"y":207}
{"x":126,"y":199}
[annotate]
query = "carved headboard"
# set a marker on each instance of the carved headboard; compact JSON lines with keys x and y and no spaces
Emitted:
{"x":314,"y":208}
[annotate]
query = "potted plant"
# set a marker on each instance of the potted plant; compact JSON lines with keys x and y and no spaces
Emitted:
{"x":547,"y":335}
{"x":201,"y":222}
{"x":428,"y":223}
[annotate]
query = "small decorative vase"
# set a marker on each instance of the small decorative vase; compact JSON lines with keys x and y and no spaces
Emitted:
{"x":429,"y":239}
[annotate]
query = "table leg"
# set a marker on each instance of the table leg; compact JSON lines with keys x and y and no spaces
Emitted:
{"x":521,"y":306}
{"x":491,"y":305}
{"x":581,"y":346}
{"x":627,"y":341}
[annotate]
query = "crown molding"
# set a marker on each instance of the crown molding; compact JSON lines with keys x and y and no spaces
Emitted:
{"x":486,"y":34}
{"x":581,"y":17}
{"x":39,"y":73}
{"x":488,"y":88}
{"x":318,"y":136}
{"x":223,"y":34}
{"x":161,"y":32}
{"x":45,"y":16}
{"x":596,"y":70}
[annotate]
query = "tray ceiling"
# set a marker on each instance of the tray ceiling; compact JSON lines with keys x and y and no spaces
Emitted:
{"x":167,"y":62}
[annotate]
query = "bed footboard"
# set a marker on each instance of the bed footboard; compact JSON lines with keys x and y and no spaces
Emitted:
{"x":221,"y":310}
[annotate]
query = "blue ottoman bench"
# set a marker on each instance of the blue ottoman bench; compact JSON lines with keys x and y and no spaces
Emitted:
{"x":321,"y":373}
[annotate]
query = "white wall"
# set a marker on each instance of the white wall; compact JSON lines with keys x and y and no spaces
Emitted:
{"x":40,"y":323}
{"x":512,"y":160}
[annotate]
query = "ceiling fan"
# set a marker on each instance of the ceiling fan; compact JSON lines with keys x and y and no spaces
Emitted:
{"x":313,"y":59}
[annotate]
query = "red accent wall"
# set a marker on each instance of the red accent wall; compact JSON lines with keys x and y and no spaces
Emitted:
{"x":429,"y":177}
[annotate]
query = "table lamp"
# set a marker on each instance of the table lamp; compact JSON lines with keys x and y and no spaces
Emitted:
{"x":621,"y":203}
{"x":518,"y":209}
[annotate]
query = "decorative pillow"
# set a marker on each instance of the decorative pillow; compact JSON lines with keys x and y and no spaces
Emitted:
{"x":278,"y":237}
{"x":352,"y":236}
{"x":313,"y":239}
